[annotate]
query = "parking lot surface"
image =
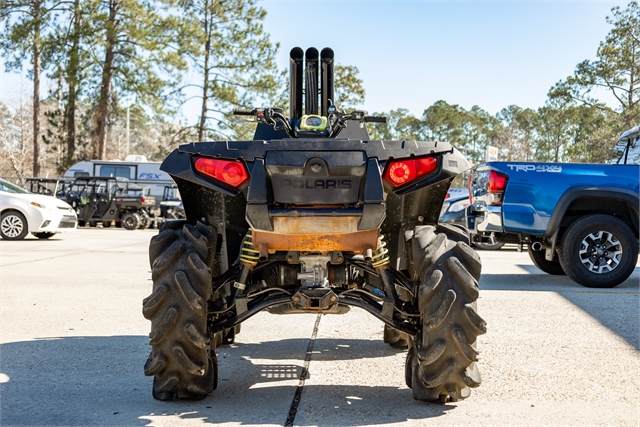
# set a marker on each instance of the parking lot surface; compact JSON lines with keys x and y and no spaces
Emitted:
{"x":73,"y":342}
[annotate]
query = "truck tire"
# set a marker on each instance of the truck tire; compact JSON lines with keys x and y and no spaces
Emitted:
{"x":13,"y":226}
{"x":489,"y":246}
{"x":599,"y":251}
{"x":539,"y":260}
{"x":182,"y":360}
{"x":441,"y":362}
{"x":130,"y":221}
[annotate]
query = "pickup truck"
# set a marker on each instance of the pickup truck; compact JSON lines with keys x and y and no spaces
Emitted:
{"x":576,"y":219}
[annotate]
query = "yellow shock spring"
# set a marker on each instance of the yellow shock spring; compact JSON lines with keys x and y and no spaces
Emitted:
{"x":380,"y":258}
{"x":248,"y":254}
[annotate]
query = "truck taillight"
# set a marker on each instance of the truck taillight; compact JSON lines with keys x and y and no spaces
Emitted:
{"x":497,"y":185}
{"x":230,"y":172}
{"x":400,"y":172}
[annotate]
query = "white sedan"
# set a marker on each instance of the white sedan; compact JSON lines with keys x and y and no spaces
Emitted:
{"x":24,"y":212}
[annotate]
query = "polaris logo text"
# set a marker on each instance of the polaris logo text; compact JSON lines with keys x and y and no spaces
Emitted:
{"x":317,"y":184}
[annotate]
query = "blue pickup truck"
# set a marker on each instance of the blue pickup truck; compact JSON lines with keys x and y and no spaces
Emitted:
{"x":576,"y":219}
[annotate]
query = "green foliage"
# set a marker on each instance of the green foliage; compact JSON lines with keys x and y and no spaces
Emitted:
{"x":233,"y":57}
{"x":349,"y":90}
{"x":616,"y":71}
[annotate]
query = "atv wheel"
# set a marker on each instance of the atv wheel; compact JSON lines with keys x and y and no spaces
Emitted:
{"x":599,"y":251}
{"x":44,"y":235}
{"x":549,"y":267}
{"x":130,"y":221}
{"x":441,"y":362}
{"x":144,"y":221}
{"x":13,"y":226}
{"x":395,"y":338}
{"x":106,"y":224}
{"x":182,"y":358}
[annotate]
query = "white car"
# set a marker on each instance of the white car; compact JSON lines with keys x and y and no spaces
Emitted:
{"x":24,"y":212}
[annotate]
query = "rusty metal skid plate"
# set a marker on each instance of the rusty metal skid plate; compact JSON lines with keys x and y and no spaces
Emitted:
{"x":316,"y":234}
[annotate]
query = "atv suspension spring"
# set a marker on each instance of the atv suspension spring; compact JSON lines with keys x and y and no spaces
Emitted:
{"x":380,"y":258}
{"x":248,"y":255}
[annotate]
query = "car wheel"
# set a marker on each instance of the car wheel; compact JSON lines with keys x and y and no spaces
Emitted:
{"x":43,"y":235}
{"x":599,"y":251}
{"x":13,"y":226}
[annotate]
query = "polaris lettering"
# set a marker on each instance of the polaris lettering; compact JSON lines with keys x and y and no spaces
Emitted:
{"x":317,"y":184}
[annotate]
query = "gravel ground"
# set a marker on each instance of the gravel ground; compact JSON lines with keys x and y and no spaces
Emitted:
{"x":73,"y":342}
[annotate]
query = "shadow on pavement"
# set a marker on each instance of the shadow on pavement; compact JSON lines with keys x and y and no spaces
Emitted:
{"x":95,"y":381}
{"x":615,"y":308}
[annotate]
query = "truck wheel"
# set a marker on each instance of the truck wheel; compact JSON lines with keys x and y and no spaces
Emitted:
{"x":549,"y":267}
{"x":13,"y":226}
{"x":130,"y":221}
{"x":599,"y":251}
{"x":441,"y":362}
{"x":489,"y":246}
{"x":182,"y":360}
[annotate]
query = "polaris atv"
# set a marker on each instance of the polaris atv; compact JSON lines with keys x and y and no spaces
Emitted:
{"x":313,"y":217}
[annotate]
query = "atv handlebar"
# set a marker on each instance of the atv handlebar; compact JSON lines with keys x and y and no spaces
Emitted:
{"x":243,"y":112}
{"x":375,"y":119}
{"x":337,"y":120}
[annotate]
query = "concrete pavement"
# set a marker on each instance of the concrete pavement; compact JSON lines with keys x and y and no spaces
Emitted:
{"x":73,"y":343}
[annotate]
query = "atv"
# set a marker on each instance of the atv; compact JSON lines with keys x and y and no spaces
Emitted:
{"x":313,"y":217}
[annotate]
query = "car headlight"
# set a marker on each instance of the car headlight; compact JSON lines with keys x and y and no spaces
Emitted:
{"x":38,"y":205}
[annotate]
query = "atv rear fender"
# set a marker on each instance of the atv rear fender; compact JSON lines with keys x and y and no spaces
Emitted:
{"x":375,"y":203}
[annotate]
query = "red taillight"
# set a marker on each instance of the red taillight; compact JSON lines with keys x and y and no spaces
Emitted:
{"x":400,"y":172}
{"x":231,"y":172}
{"x":497,"y":185}
{"x":142,"y":199}
{"x":497,"y":182}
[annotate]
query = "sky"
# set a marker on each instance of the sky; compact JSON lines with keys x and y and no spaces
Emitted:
{"x":413,"y":53}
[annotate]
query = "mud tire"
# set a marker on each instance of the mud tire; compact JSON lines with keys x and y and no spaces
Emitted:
{"x":395,"y":338}
{"x":549,"y":267}
{"x":182,"y":360}
{"x":441,"y":362}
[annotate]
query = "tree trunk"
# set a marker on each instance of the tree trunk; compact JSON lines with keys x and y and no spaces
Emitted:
{"x":36,"y":89}
{"x":72,"y":80}
{"x":205,"y":85}
{"x":105,"y":87}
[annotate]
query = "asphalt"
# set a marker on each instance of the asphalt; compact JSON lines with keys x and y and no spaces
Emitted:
{"x":73,"y":342}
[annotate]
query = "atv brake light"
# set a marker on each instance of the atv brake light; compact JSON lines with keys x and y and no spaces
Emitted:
{"x":497,"y":186}
{"x":230,"y":172}
{"x":400,"y":172}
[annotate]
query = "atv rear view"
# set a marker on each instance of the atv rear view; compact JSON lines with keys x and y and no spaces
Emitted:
{"x":313,"y":217}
